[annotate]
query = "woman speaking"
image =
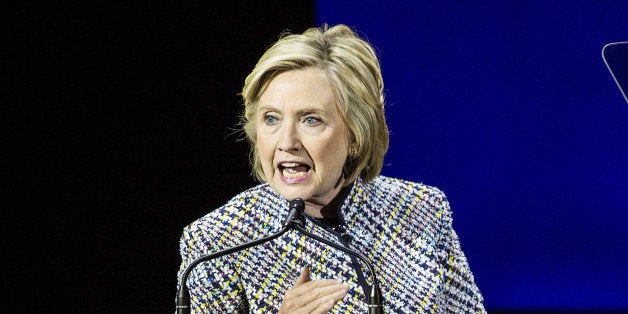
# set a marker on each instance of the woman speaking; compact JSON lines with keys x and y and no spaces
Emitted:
{"x":314,"y":118}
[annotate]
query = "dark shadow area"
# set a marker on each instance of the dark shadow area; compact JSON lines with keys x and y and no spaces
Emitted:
{"x":121,"y":120}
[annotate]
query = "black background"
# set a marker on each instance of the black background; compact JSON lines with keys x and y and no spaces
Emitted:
{"x":121,"y":130}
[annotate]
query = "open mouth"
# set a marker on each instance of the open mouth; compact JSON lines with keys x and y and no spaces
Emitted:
{"x":293,"y":170}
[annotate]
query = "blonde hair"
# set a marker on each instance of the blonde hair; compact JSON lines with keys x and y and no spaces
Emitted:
{"x":352,"y":69}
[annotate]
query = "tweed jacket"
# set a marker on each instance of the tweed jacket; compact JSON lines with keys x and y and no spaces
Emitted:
{"x":403,"y":228}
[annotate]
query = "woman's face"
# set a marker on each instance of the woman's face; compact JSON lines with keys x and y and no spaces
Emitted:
{"x":301,"y":138}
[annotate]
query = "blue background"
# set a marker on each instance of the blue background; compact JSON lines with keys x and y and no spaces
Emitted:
{"x":508,"y":107}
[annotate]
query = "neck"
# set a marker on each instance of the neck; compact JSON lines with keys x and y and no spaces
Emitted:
{"x":329,"y":210}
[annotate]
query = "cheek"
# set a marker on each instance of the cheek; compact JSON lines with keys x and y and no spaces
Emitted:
{"x":263,"y":148}
{"x":335,"y":154}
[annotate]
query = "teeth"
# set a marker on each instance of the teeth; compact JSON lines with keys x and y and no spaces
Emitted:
{"x":293,"y":170}
{"x":293,"y":175}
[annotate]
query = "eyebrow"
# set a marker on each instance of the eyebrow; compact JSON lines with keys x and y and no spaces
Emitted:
{"x":299,"y":112}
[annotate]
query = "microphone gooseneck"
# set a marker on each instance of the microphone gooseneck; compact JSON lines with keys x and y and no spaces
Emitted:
{"x":295,"y":219}
{"x":375,"y":294}
{"x":183,"y":296}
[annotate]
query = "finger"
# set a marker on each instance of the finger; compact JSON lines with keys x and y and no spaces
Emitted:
{"x":324,"y":289}
{"x":316,"y":288}
{"x":303,"y":277}
{"x":326,"y":302}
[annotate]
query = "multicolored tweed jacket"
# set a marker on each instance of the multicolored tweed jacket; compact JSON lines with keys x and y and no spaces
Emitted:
{"x":404,"y":229}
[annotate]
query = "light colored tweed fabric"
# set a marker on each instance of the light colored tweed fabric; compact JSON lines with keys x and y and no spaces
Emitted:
{"x":403,"y":228}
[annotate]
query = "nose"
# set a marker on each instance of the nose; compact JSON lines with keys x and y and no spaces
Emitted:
{"x":288,"y":138}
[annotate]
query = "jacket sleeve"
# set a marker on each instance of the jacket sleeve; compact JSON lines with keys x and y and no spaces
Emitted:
{"x":459,"y":292}
{"x":215,"y":285}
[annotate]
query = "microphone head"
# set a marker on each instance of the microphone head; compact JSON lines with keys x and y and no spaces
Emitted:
{"x":295,"y":212}
{"x":297,"y":204}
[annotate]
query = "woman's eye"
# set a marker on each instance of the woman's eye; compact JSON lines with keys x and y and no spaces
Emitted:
{"x":311,"y":121}
{"x":270,"y":120}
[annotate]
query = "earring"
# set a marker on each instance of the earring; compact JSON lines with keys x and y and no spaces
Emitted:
{"x":353,"y":151}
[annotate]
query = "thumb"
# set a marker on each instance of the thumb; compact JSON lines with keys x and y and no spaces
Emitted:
{"x":304,"y":277}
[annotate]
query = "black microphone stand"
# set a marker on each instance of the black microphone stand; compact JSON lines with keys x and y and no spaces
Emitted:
{"x":295,"y":219}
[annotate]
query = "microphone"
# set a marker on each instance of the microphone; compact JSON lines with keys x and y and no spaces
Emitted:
{"x":183,"y":296}
{"x":375,"y":294}
{"x":297,"y":220}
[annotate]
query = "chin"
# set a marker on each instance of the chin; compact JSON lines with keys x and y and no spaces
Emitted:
{"x":291,"y":193}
